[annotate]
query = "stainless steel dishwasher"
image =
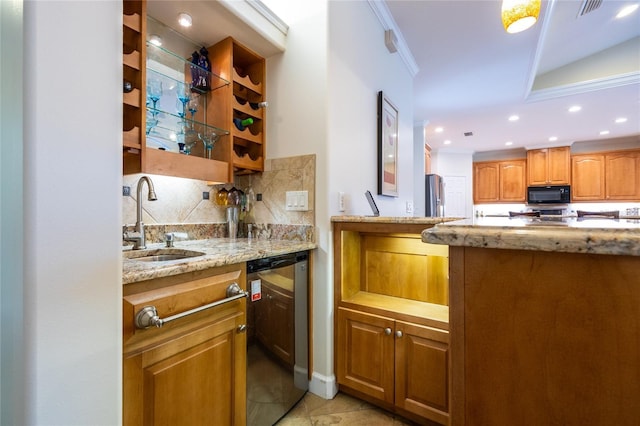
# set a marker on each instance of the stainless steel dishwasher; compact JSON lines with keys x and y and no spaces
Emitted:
{"x":277,"y":336}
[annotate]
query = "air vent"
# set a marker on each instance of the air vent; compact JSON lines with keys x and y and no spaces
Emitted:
{"x":589,"y":6}
{"x":468,"y":133}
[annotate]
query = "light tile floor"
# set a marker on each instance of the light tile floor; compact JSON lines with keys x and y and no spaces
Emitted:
{"x":341,"y":410}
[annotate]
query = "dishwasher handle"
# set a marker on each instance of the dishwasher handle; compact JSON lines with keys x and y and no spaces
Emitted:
{"x":148,"y":316}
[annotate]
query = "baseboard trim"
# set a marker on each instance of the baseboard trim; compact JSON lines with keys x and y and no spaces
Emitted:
{"x":323,"y":386}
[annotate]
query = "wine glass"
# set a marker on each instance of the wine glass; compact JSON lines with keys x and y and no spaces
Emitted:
{"x":151,"y":120}
{"x":183,"y":92}
{"x":193,"y":104}
{"x":180,"y":109}
{"x":154,"y":90}
{"x":209,"y":138}
{"x":190,"y":138}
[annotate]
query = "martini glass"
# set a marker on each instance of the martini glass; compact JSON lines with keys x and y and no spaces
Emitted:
{"x":154,"y":91}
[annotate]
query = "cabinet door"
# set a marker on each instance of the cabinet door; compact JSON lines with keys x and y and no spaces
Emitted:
{"x":559,"y":166}
{"x":622,"y":176}
{"x":196,"y":379}
{"x":486,"y":182}
{"x":513,"y":180}
{"x":588,"y":176}
{"x":537,"y":166}
{"x":365,"y":351}
{"x":422,"y":371}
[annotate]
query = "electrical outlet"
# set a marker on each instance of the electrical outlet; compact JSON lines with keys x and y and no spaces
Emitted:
{"x":410,"y":207}
{"x":341,"y":201}
{"x":126,"y":191}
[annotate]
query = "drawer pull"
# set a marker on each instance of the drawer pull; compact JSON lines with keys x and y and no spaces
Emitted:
{"x":148,"y":316}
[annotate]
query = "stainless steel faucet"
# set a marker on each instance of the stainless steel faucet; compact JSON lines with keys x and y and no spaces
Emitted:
{"x":137,"y":237}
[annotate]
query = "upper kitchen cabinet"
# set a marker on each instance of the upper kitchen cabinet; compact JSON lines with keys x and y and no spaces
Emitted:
{"x":613,"y":175}
{"x":549,"y":166}
{"x":178,"y":140}
{"x":499,"y":181}
{"x":240,"y":106}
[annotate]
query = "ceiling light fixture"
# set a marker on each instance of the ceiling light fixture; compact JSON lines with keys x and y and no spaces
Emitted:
{"x":155,"y":40}
{"x":553,"y":138}
{"x":439,"y":130}
{"x":518,"y":15}
{"x":514,"y":118}
{"x":509,"y":143}
{"x":621,"y":120}
{"x":184,"y":19}
{"x":627,"y":10}
{"x":575,"y":108}
{"x":447,"y":142}
{"x":604,"y":132}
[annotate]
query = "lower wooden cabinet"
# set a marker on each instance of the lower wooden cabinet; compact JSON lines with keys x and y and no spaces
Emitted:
{"x":192,"y":370}
{"x":398,"y":362}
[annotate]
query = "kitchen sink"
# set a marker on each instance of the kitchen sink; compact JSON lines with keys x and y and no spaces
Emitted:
{"x":161,"y":255}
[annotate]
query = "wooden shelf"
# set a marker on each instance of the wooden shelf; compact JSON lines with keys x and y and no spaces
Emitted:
{"x":132,"y":60}
{"x":187,"y":166}
{"x":246,"y":109}
{"x":131,"y":138}
{"x":132,"y":21}
{"x":132,"y":98}
{"x":433,"y":315}
{"x":247,"y":136}
{"x":247,"y":82}
{"x":245,"y":162}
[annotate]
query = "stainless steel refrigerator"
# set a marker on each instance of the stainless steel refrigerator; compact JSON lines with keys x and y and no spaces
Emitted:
{"x":434,"y":196}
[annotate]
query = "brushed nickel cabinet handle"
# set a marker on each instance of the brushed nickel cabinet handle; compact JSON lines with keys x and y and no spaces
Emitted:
{"x":399,"y":334}
{"x":387,"y":331}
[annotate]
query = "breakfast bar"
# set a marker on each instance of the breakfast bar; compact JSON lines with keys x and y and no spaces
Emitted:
{"x":544,"y":320}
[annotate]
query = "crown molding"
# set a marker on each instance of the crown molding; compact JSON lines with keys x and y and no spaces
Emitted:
{"x":584,"y":87}
{"x":388,"y":23}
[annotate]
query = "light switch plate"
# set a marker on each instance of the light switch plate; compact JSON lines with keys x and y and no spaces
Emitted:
{"x":297,"y":201}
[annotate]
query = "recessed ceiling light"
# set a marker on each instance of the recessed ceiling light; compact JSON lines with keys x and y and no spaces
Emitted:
{"x":447,"y":142}
{"x":514,"y":118}
{"x":553,"y":138}
{"x":438,"y":130}
{"x":184,"y":19}
{"x":627,"y":10}
{"x":509,"y":143}
{"x":155,"y":40}
{"x":621,"y":120}
{"x":575,"y":108}
{"x":604,"y":132}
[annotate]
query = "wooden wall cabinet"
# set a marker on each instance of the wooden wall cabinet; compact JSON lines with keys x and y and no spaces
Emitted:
{"x":499,"y":181}
{"x":191,"y":370}
{"x":549,"y":166}
{"x":391,"y":328}
{"x":606,"y":176}
{"x":243,"y":99}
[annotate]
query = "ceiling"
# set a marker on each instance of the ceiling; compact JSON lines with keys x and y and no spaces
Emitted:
{"x":473,"y":75}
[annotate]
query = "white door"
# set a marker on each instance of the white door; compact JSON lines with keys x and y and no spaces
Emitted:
{"x":455,"y":196}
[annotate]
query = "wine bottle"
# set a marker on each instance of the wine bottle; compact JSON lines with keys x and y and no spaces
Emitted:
{"x":242,"y":124}
{"x":258,"y":105}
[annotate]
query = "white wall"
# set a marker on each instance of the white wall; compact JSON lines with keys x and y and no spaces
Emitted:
{"x":359,"y":66}
{"x":11,"y":213}
{"x":72,"y":180}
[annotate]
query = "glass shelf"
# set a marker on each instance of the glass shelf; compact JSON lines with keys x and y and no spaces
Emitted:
{"x":180,"y":67}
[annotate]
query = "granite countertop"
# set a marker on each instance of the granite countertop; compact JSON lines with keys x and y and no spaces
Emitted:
{"x":564,"y":234}
{"x":217,"y":252}
{"x":391,"y":219}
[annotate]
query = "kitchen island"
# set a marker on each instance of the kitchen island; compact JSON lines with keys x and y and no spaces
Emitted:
{"x":544,"y":320}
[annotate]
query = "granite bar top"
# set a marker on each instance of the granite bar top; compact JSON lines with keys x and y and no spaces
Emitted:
{"x":391,"y":219}
{"x":217,"y":252}
{"x":564,"y":234}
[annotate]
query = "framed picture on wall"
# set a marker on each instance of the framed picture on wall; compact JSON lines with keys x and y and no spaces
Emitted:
{"x":387,"y":147}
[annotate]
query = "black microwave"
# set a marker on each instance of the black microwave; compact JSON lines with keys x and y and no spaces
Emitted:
{"x":558,"y":194}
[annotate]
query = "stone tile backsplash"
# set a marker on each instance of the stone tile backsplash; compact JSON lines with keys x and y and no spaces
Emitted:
{"x":180,"y":206}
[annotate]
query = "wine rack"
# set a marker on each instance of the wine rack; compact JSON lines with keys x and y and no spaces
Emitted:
{"x":133,"y":72}
{"x":243,"y":99}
